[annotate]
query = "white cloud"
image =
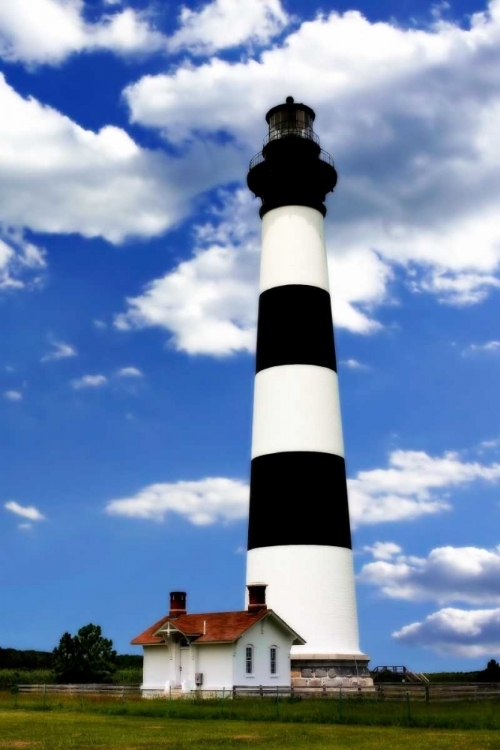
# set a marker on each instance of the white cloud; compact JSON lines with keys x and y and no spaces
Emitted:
{"x":25,"y":526}
{"x":60,"y":351}
{"x":383,"y":550}
{"x":222,"y":24}
{"x":488,"y":444}
{"x":89,"y":381}
{"x":130,"y":372}
{"x":458,"y":288}
{"x":489,"y":347}
{"x":21,"y":262}
{"x":47,"y":31}
{"x":57,"y":177}
{"x":411,"y":116}
{"x":25,"y":511}
{"x":456,"y":632}
{"x":38,"y":32}
{"x":100,"y":324}
{"x":207,"y":501}
{"x":353,"y":364}
{"x":411,"y":486}
{"x":209,"y":302}
{"x":401,"y":492}
{"x":448,"y":574}
{"x":13,"y":395}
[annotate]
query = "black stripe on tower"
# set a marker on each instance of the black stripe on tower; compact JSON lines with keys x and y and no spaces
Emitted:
{"x":298,"y":497}
{"x":295,"y":328}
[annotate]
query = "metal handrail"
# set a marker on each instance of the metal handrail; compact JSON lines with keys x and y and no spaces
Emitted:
{"x":257,"y":159}
{"x":323,"y":156}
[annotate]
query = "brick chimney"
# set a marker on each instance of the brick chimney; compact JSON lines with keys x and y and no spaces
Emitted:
{"x":177,"y":603}
{"x":256,"y":597}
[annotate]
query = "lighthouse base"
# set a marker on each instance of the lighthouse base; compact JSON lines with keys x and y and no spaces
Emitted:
{"x":346,"y":671}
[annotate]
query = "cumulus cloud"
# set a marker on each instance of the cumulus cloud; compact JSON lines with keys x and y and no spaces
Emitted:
{"x":456,"y":288}
{"x":47,"y":31}
{"x":222,"y":24}
{"x":383,"y":550}
{"x":456,"y":632}
{"x":411,"y":116}
{"x":411,"y":486}
{"x":130,"y":372}
{"x":401,"y":492}
{"x":447,"y":574}
{"x":37,"y":32}
{"x":60,"y":350}
{"x":25,"y":511}
{"x":58,"y":177}
{"x":89,"y":381}
{"x":209,"y":302}
{"x":204,"y":502}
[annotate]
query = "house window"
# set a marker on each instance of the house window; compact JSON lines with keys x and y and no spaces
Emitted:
{"x":249,"y":660}
{"x":273,"y":659}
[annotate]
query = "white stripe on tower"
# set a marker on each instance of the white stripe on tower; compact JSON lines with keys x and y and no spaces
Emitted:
{"x":299,"y":539}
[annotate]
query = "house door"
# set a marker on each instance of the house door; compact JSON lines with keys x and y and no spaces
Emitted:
{"x":183,"y":665}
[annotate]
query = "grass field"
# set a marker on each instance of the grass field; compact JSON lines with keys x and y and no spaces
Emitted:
{"x":69,"y":730}
{"x":471,"y":715}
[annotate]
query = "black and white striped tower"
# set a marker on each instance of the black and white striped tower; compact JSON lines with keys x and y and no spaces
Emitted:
{"x":299,"y":539}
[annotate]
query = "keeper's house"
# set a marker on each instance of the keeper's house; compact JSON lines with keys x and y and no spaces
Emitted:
{"x":217,"y":650}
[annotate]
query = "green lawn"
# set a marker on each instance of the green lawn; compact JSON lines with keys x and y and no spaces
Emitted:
{"x":65,"y":730}
{"x":464,"y":715}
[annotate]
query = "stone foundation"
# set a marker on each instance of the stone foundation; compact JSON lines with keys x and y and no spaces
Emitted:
{"x":345,"y":673}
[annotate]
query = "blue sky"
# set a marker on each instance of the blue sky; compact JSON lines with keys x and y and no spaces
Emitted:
{"x":129,"y":251}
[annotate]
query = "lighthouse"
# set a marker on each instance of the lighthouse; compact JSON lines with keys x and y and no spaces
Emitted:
{"x":299,"y":538}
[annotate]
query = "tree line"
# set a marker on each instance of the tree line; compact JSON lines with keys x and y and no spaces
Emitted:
{"x":82,"y":658}
{"x":89,"y":657}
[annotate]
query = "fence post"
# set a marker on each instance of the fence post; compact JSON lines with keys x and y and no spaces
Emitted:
{"x":408,"y":707}
{"x":277,"y":701}
{"x":427,"y":696}
{"x":340,"y":703}
{"x":44,"y":697}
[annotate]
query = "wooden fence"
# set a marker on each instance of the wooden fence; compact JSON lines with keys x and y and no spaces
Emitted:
{"x":428,"y":693}
{"x":119,"y":691}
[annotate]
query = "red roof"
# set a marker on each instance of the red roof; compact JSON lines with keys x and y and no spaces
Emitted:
{"x":219,"y":627}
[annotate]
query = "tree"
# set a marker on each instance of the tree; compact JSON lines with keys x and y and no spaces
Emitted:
{"x":85,"y":657}
{"x":491,"y":673}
